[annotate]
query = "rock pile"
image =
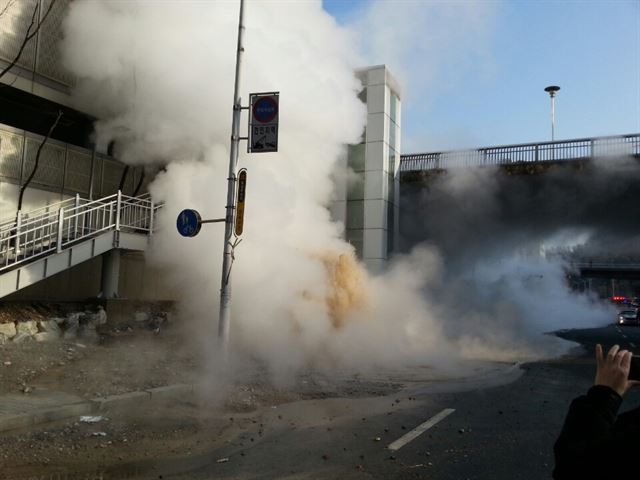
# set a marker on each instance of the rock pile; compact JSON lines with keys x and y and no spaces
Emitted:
{"x":74,"y":325}
{"x":144,"y":319}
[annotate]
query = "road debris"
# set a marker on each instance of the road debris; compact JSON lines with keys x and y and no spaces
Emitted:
{"x":91,"y":418}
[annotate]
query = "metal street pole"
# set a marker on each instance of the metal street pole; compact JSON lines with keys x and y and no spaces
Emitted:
{"x":553,"y":117}
{"x":551,"y":90}
{"x":227,"y":259}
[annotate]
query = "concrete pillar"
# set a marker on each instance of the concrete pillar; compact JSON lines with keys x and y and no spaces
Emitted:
{"x":110,"y":273}
{"x":371,"y":220}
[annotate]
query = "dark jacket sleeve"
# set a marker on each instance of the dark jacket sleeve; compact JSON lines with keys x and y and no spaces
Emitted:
{"x":587,"y":435}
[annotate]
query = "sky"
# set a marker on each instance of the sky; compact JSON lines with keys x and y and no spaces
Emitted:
{"x":473,"y":73}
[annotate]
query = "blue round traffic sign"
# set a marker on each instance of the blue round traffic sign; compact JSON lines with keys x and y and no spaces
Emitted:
{"x":265,"y":109}
{"x":188,"y":223}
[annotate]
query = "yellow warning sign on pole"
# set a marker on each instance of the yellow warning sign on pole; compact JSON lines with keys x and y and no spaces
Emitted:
{"x":242,"y":189}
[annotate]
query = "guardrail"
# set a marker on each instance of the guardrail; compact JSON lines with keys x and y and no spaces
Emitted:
{"x":563,"y":150}
{"x":49,"y":231}
{"x":607,"y":265}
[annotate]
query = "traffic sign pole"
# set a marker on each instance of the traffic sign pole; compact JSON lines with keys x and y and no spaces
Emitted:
{"x":227,"y":259}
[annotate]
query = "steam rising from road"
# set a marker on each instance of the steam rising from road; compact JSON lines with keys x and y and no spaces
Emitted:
{"x":160,"y":77}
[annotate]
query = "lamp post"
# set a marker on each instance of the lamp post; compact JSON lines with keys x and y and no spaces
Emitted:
{"x":551,"y":90}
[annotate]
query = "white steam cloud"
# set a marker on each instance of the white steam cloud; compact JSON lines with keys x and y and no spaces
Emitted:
{"x":160,"y":77}
{"x":431,"y":47}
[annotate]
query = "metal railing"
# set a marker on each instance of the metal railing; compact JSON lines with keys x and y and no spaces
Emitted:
{"x":564,"y":150}
{"x":610,"y":265}
{"x":53,"y":228}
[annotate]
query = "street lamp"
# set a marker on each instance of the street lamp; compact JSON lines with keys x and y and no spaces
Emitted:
{"x":551,"y":90}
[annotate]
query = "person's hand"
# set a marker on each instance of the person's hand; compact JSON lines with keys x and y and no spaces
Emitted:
{"x":613,"y":369}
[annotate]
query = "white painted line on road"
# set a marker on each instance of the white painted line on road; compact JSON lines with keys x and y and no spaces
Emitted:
{"x":624,"y":336}
{"x":420,"y":429}
{"x":633,"y":345}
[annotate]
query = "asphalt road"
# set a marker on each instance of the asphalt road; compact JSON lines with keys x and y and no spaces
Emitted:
{"x":495,"y":432}
{"x":500,"y":428}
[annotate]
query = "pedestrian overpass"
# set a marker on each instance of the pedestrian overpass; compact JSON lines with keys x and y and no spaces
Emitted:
{"x":523,"y":154}
{"x":420,"y":172}
{"x":36,"y":245}
{"x":617,"y":268}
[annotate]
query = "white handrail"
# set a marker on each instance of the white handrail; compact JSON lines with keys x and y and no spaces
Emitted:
{"x":74,"y":221}
{"x":53,"y":208}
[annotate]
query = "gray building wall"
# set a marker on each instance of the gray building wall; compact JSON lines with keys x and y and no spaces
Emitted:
{"x":65,"y":170}
{"x":39,"y":69}
{"x":138,"y":281}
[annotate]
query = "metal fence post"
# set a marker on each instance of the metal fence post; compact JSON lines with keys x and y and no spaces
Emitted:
{"x":118,"y":206}
{"x":151,"y":215}
{"x":76,"y":211}
{"x":18,"y":227}
{"x":60,"y":229}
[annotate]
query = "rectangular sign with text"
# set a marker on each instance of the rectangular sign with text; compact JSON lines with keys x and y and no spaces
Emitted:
{"x":263,"y":122}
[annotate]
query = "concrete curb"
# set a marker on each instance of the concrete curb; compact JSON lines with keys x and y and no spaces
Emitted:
{"x":95,"y":405}
{"x":44,"y":415}
{"x":171,"y":392}
{"x":128,"y":399}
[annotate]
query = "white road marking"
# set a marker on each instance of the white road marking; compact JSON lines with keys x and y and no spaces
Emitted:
{"x":624,"y":336}
{"x":633,"y":345}
{"x":420,"y":429}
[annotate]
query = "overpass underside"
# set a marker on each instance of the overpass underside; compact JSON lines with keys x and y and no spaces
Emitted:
{"x":621,"y":272}
{"x":583,"y":201}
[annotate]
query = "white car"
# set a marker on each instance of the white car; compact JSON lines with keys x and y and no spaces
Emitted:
{"x":628,"y":317}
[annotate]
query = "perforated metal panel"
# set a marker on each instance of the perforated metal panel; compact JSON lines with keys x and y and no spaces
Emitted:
{"x":13,"y":28}
{"x":78,"y":173}
{"x":132,"y":179}
{"x":61,"y":160}
{"x":111,"y":176}
{"x":97,"y":177}
{"x":49,"y":56}
{"x":51,"y":166}
{"x":10,"y":155}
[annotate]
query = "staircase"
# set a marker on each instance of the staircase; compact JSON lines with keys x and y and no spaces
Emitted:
{"x":38,"y":244}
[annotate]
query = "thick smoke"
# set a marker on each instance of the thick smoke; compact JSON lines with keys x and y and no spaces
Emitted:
{"x":508,"y":235}
{"x":159,"y":75}
{"x":432,"y":48}
{"x":467,"y":210}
